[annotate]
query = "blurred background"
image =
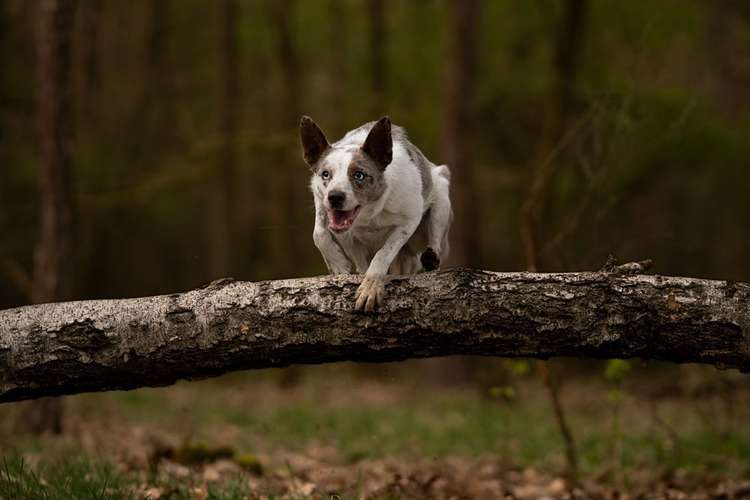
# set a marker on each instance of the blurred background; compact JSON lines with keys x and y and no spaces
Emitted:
{"x":151,"y":146}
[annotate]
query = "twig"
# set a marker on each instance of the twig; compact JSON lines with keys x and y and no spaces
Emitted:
{"x":571,"y":455}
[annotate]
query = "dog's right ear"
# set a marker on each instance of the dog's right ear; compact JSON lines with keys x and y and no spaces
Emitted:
{"x":314,"y":142}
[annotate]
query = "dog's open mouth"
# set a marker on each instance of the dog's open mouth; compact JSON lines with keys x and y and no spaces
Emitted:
{"x":341,"y":220}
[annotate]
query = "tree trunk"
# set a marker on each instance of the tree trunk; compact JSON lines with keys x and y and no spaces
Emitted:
{"x":568,"y":48}
{"x":90,"y":19}
{"x":157,"y":112}
{"x":54,"y":256}
{"x":53,"y":264}
{"x":223,"y":192}
{"x":460,"y":130}
{"x":286,"y":188}
{"x":4,"y":64}
{"x":728,"y":25}
{"x":378,"y":68}
{"x":570,"y":39}
{"x":4,"y":112}
{"x":338,"y":56}
{"x":99,"y":345}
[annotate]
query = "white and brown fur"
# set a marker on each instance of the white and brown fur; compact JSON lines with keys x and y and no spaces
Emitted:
{"x":381,"y":207}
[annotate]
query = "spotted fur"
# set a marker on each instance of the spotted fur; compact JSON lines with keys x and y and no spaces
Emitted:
{"x":396,"y":206}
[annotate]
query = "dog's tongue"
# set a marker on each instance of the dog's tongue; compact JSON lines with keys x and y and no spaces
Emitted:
{"x":338,"y":220}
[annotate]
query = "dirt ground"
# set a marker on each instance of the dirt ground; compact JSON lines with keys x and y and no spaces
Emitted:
{"x":349,"y":437}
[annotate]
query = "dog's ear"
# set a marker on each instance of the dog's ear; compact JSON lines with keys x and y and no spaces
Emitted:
{"x":379,"y":143}
{"x":314,"y":142}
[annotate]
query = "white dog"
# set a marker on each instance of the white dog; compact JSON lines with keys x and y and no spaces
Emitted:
{"x":380,"y":206}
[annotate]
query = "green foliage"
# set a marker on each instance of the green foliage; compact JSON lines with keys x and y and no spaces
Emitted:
{"x":250,"y":463}
{"x":615,"y":395}
{"x":616,"y":370}
{"x":664,"y":135}
{"x":518,"y":367}
{"x":504,"y":393}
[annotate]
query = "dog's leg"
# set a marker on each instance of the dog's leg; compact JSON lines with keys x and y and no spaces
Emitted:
{"x":440,"y":217}
{"x":371,"y":291}
{"x":334,"y":257}
{"x":359,"y":256}
{"x":406,"y":262}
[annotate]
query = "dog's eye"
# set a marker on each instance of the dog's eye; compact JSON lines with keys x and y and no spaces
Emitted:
{"x":358,"y":175}
{"x":325,"y":174}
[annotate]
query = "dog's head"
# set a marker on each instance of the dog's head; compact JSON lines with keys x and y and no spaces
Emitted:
{"x":347,"y":178}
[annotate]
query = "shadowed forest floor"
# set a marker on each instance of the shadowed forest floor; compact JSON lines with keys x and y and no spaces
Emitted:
{"x":346,"y":431}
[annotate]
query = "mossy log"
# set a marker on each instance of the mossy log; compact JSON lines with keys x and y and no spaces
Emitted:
{"x":99,"y":345}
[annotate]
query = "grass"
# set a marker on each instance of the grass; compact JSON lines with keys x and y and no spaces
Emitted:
{"x":448,"y":424}
{"x":78,"y":478}
{"x":356,"y":422}
{"x":443,"y":425}
{"x":66,"y":479}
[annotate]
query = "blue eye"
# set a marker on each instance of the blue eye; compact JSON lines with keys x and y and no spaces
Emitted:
{"x":358,"y":175}
{"x":325,"y":174}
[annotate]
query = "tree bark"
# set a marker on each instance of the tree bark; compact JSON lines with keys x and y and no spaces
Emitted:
{"x":98,"y":345}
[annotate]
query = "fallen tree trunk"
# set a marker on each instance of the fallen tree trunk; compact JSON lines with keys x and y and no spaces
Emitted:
{"x":98,"y":345}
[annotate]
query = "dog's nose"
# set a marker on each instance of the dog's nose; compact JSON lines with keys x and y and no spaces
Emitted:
{"x":336,"y":199}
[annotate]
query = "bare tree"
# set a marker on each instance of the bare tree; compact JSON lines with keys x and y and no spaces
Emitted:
{"x":54,"y":256}
{"x":338,"y":50}
{"x":289,"y":60}
{"x":378,"y":67}
{"x":91,"y":13}
{"x":53,"y":264}
{"x":158,"y":107}
{"x":223,"y":192}
{"x":4,"y":29}
{"x":283,"y":208}
{"x":728,"y":24}
{"x":568,"y":47}
{"x":12,"y":23}
{"x":460,"y":129}
{"x":157,"y":42}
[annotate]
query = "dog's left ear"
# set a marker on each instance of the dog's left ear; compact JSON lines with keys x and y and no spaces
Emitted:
{"x":379,"y":143}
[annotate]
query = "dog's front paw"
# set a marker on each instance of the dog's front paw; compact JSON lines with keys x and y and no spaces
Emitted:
{"x":370,"y":293}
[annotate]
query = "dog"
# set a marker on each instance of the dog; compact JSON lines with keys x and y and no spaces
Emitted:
{"x":381,"y":207}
